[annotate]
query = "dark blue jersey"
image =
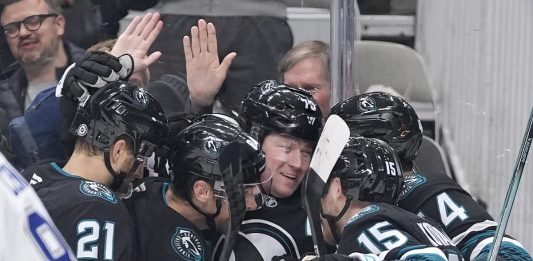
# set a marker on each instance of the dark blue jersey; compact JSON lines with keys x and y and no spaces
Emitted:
{"x":91,"y":217}
{"x":393,"y":234}
{"x":470,"y":227}
{"x":162,"y":233}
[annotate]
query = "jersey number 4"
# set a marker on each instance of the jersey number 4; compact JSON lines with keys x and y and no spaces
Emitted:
{"x":90,"y":232}
{"x":449,"y":210}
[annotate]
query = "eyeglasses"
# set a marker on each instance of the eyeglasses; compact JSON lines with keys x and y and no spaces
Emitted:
{"x":31,"y":23}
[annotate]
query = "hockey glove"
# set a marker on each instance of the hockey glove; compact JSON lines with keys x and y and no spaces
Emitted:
{"x":93,"y":71}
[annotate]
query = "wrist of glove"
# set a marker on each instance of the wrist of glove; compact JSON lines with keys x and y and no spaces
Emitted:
{"x":92,"y":72}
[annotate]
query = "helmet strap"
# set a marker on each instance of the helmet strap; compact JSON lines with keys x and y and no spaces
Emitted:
{"x":332,"y":221}
{"x":118,"y":183}
{"x":209,"y":218}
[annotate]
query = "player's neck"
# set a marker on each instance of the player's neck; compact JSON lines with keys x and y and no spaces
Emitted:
{"x":355,"y":207}
{"x":90,"y":167}
{"x":184,"y":208}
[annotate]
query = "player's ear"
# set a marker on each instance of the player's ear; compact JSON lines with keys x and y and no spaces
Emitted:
{"x":336,"y":187}
{"x":119,"y":151}
{"x":202,"y":191}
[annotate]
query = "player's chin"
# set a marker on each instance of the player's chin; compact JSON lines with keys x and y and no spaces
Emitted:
{"x":285,"y":190}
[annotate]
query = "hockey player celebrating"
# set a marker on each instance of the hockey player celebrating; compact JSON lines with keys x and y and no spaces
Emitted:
{"x":358,"y":212}
{"x":175,"y":220}
{"x":287,"y":122}
{"x":117,"y":128}
{"x":435,"y":195}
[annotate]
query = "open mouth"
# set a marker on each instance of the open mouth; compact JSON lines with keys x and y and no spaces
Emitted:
{"x":289,"y":175}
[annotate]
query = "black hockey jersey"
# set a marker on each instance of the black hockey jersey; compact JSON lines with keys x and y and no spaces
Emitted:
{"x":162,"y":233}
{"x":393,"y":234}
{"x":91,"y":217}
{"x":279,"y":228}
{"x":470,"y":227}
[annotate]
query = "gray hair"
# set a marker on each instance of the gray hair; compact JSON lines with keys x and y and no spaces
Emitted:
{"x":302,"y":51}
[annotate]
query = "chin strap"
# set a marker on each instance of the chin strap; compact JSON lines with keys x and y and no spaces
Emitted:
{"x":118,"y":183}
{"x":210,"y":218}
{"x":332,"y":221}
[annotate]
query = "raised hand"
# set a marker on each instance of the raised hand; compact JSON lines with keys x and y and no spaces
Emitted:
{"x":205,"y":74}
{"x":137,"y":39}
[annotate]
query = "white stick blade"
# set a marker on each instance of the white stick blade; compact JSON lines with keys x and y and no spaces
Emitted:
{"x":330,"y":145}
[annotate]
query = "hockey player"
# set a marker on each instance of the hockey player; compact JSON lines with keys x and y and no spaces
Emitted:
{"x":358,"y":212}
{"x":173,"y":218}
{"x":435,"y":195}
{"x":287,"y":122}
{"x":28,"y":231}
{"x":117,"y":128}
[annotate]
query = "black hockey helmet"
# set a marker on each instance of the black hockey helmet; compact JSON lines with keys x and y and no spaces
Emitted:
{"x":369,"y":171}
{"x":274,"y":106}
{"x":386,"y":117}
{"x":196,"y":150}
{"x":121,"y":109}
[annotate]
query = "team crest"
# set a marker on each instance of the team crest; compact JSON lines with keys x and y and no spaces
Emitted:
{"x":141,"y":97}
{"x":270,"y":201}
{"x":187,"y":244}
{"x":94,"y":189}
{"x":365,"y":211}
{"x":410,"y":183}
{"x":268,"y":86}
{"x":211,"y":146}
{"x":366,"y":104}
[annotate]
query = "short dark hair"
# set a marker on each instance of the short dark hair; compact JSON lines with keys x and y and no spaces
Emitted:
{"x":82,"y":145}
{"x":53,"y":5}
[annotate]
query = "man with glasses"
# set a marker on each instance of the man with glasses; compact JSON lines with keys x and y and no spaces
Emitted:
{"x":34,"y":31}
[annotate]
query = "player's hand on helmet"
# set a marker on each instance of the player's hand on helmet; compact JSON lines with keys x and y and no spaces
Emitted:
{"x":93,"y":71}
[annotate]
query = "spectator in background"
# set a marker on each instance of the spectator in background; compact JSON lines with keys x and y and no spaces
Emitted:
{"x":93,"y":21}
{"x":306,"y":66}
{"x":257,"y":30}
{"x":34,"y":31}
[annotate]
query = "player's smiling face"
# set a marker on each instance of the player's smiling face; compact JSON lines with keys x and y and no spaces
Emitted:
{"x":287,"y":160}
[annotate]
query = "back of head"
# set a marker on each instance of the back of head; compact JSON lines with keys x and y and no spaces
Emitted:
{"x":121,"y":110}
{"x":274,"y":106}
{"x":369,"y":171}
{"x":196,"y":150}
{"x":386,"y":117}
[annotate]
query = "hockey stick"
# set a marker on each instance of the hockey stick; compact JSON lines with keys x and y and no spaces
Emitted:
{"x":230,"y":166}
{"x":513,"y":188}
{"x":330,"y":145}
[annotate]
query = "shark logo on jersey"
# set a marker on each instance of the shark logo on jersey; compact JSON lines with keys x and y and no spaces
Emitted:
{"x":366,"y":104}
{"x":94,"y":189}
{"x":410,"y":183}
{"x":260,"y":239}
{"x":187,"y":244}
{"x":211,"y":146}
{"x":365,"y":211}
